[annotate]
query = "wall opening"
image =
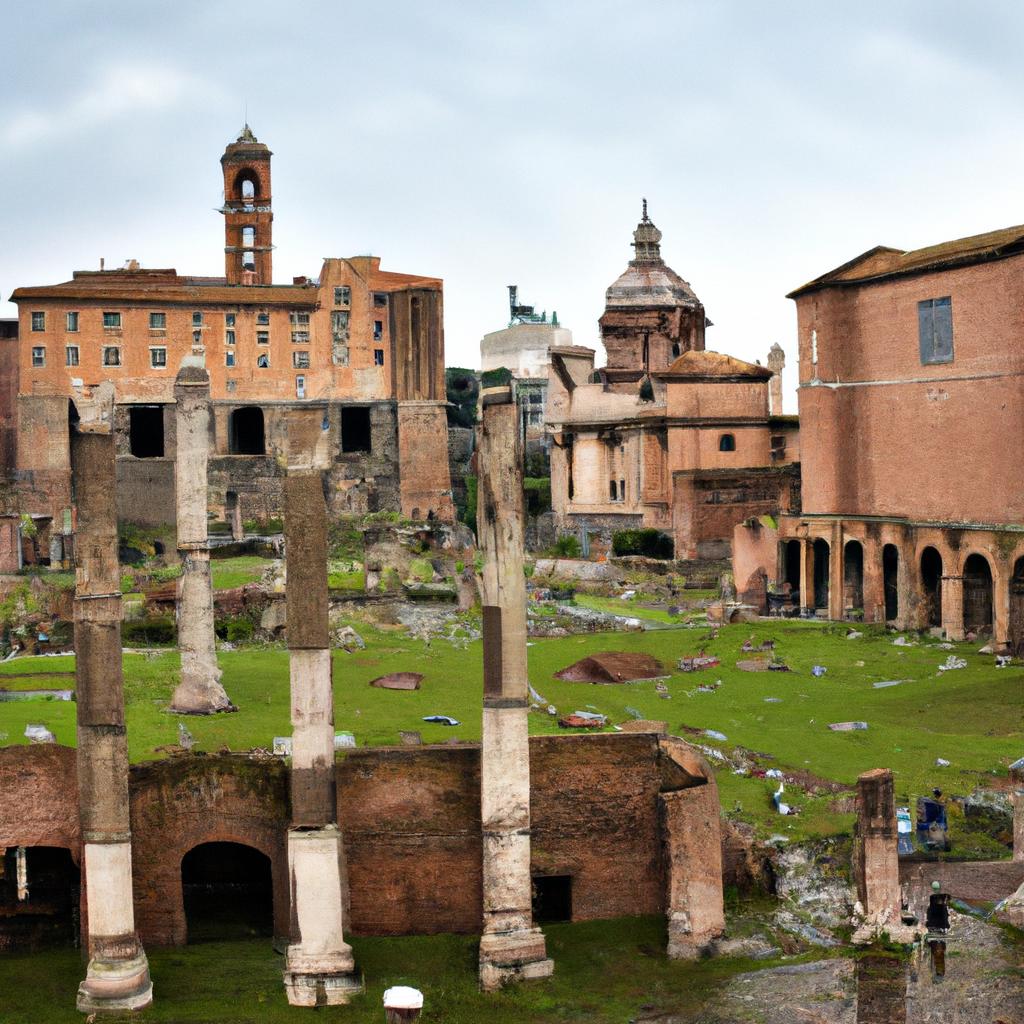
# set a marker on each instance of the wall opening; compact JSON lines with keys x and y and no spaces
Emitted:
{"x":1017,"y":608}
{"x":890,"y":581}
{"x":247,"y":185}
{"x":39,"y":898}
{"x":821,"y":573}
{"x":931,"y":585}
{"x":356,"y":433}
{"x":228,"y":892}
{"x":977,"y":594}
{"x":552,"y":898}
{"x":791,"y":554}
{"x":853,"y":577}
{"x":146,"y":431}
{"x":245,"y":431}
{"x":727,"y":443}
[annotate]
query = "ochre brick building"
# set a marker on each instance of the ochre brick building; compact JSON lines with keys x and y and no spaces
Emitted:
{"x":365,"y":344}
{"x":667,"y":435}
{"x":910,"y":404}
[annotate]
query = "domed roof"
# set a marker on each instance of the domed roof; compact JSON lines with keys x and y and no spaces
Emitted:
{"x":647,"y":281}
{"x":715,"y":364}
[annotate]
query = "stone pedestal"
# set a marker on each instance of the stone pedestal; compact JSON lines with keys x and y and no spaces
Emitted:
{"x":511,"y":948}
{"x":319,"y":968}
{"x":117,"y":975}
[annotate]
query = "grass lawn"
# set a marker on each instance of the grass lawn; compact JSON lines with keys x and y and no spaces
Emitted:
{"x":605,"y":971}
{"x":228,"y":573}
{"x":971,"y":717}
{"x":632,"y":609}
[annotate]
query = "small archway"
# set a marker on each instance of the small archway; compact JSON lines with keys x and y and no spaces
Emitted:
{"x":1017,"y":607}
{"x":821,"y":573}
{"x":890,"y":581}
{"x":977,"y":594}
{"x":247,"y":184}
{"x":727,"y":443}
{"x":853,"y":576}
{"x":791,"y":555}
{"x":228,"y":892}
{"x":246,"y":431}
{"x":931,"y":586}
{"x":39,"y":898}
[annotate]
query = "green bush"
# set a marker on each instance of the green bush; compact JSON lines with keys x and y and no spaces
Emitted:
{"x":157,"y":629}
{"x":567,"y":546}
{"x":165,"y":573}
{"x":239,"y":631}
{"x":651,"y":543}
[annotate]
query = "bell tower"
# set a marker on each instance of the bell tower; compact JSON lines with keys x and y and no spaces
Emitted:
{"x":248,"y":217}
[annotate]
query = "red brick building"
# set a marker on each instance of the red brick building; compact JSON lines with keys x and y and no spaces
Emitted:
{"x":910,"y":370}
{"x":366,"y":344}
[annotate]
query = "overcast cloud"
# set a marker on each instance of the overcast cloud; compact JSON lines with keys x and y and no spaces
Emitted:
{"x":492,"y":144}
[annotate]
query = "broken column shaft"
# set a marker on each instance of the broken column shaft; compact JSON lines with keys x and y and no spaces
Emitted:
{"x":200,"y":691}
{"x":319,"y":968}
{"x":511,"y":948}
{"x":876,"y":855}
{"x":117,"y":977}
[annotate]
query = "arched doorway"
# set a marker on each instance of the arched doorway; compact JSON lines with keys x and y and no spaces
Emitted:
{"x":890,"y":581}
{"x":931,"y":585}
{"x":977,"y":594}
{"x":39,"y":898}
{"x":1017,"y":607}
{"x":821,"y":573}
{"x":853,"y":577}
{"x":791,"y":556}
{"x":228,"y":892}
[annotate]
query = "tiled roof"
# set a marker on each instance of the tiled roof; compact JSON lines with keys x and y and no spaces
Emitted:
{"x":714,"y":364}
{"x":883,"y":262}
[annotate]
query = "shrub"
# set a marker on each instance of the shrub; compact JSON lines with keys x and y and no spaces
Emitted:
{"x":567,"y":546}
{"x":649,"y":542}
{"x":239,"y":631}
{"x":165,"y":573}
{"x":158,"y":629}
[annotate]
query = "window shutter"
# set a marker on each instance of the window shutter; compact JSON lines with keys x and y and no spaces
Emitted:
{"x":925,"y":329}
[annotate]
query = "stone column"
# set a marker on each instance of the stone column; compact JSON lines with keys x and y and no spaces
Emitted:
{"x":776,"y":361}
{"x":836,"y":574}
{"x":511,"y":948}
{"x":200,"y":691}
{"x":875,"y":854}
{"x":117,"y":976}
{"x":319,"y":967}
{"x":953,"y":607}
{"x":806,"y":576}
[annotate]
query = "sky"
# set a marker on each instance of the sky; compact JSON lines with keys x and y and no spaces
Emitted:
{"x":500,"y":143}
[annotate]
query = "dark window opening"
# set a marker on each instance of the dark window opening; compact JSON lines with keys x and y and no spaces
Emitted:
{"x":552,"y":898}
{"x":613,"y":491}
{"x":792,"y":565}
{"x":263,"y":362}
{"x":935,"y":330}
{"x":356,"y":433}
{"x":727,"y":443}
{"x":378,"y":357}
{"x":378,"y":330}
{"x":247,"y":185}
{"x":246,"y":431}
{"x":622,"y":490}
{"x":890,"y":581}
{"x":263,"y":319}
{"x":853,"y":577}
{"x":380,"y":299}
{"x":675,"y":350}
{"x":146,"y":431}
{"x":821,"y":573}
{"x":931,"y":584}
{"x":39,"y":898}
{"x":977,"y":595}
{"x":228,"y":892}
{"x":342,"y":295}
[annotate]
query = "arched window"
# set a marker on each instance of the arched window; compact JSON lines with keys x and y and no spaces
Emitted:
{"x":727,"y":443}
{"x":228,"y":892}
{"x":247,"y":185}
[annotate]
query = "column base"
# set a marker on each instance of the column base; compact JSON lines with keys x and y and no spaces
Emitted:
{"x":111,"y":986}
{"x":320,"y":980}
{"x":683,"y":942}
{"x":507,"y":957}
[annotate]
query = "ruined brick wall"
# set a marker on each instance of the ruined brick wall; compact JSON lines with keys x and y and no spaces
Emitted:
{"x":145,"y":491}
{"x":39,"y":797}
{"x":8,"y":405}
{"x":426,"y":487}
{"x":922,"y":441}
{"x":623,"y":332}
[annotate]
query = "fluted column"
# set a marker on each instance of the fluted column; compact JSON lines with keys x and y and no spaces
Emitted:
{"x":511,"y":947}
{"x":200,"y":691}
{"x":117,"y":976}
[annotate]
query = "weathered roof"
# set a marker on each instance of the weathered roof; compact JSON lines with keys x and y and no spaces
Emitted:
{"x":647,"y":285}
{"x":883,"y":262}
{"x":714,"y":364}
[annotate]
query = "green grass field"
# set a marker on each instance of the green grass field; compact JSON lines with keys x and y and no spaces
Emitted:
{"x":970,"y":717}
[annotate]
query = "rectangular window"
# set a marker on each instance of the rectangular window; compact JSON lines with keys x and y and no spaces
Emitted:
{"x":378,"y":330}
{"x":613,"y":490}
{"x":262,"y":319}
{"x":263,"y":337}
{"x":300,"y":360}
{"x":229,"y":319}
{"x":158,"y":358}
{"x":39,"y":356}
{"x":229,"y":337}
{"x":378,"y":357}
{"x":380,"y":299}
{"x":339,"y":324}
{"x":38,"y":321}
{"x":111,"y":356}
{"x":197,"y":337}
{"x":300,"y":387}
{"x":112,"y":321}
{"x":72,"y":323}
{"x":935,"y":330}
{"x":300,"y":337}
{"x":356,"y":433}
{"x":263,"y":362}
{"x":71,"y":355}
{"x":197,"y":319}
{"x":343,"y":295}
{"x":229,"y":358}
{"x":158,"y":321}
{"x":298,"y":319}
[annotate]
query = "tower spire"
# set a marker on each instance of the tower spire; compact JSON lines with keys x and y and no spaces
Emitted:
{"x":646,"y":240}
